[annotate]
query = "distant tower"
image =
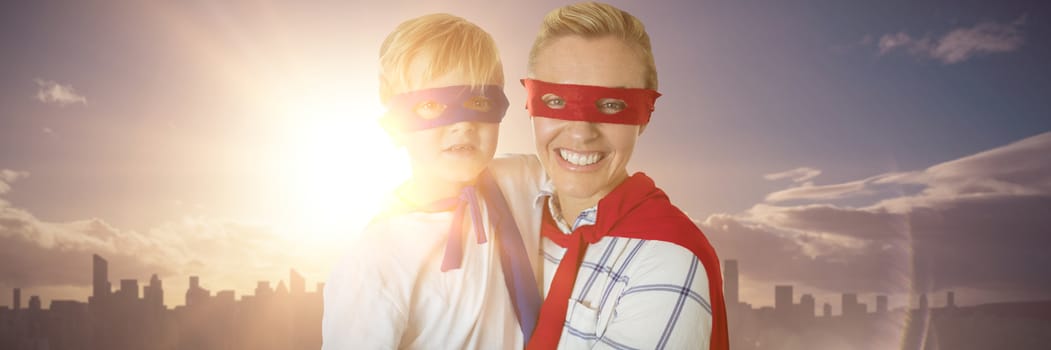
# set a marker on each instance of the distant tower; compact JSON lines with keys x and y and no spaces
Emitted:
{"x":783,"y":299}
{"x":923,"y":301}
{"x":297,"y":285}
{"x":100,"y":277}
{"x":262,"y":288}
{"x":154,"y":293}
{"x":225,"y":296}
{"x":881,"y":304}
{"x":34,"y":303}
{"x":850,"y":305}
{"x":195,"y":294}
{"x":730,"y":283}
{"x":950,"y":301}
{"x":827,"y":310}
{"x":17,"y":302}
{"x":129,"y":290}
{"x":806,"y":306}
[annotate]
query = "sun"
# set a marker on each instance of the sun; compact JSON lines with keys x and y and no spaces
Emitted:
{"x":342,"y":165}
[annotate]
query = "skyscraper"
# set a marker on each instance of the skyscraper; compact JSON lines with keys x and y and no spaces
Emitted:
{"x":17,"y":302}
{"x":950,"y":301}
{"x":129,"y":290}
{"x":297,"y":285}
{"x":881,"y":304}
{"x":850,"y":305}
{"x":154,"y":293}
{"x":730,"y":283}
{"x":100,"y":277}
{"x":783,"y":301}
{"x":34,"y":303}
{"x":262,"y":288}
{"x":806,"y":306}
{"x":195,"y":295}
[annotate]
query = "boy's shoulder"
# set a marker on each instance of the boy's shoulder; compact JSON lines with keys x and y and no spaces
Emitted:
{"x":517,"y":168}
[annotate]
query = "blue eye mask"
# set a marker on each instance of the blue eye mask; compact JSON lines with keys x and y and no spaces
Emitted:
{"x":430,"y":108}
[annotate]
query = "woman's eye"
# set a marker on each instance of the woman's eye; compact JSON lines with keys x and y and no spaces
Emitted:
{"x":478,"y":103}
{"x":610,"y":105}
{"x":553,"y":101}
{"x":429,"y":109}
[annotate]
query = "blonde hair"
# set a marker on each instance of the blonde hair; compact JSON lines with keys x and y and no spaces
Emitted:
{"x":594,"y":20}
{"x":448,"y":42}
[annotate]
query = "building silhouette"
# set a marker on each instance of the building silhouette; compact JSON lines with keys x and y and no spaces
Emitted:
{"x":881,"y":304}
{"x":125,"y":320}
{"x":730,"y":282}
{"x":289,"y":317}
{"x":16,"y":303}
{"x":790,"y":325}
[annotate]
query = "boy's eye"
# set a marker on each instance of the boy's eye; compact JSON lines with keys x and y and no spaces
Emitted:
{"x":478,"y":103}
{"x":610,"y":105}
{"x":429,"y":109}
{"x":553,"y":101}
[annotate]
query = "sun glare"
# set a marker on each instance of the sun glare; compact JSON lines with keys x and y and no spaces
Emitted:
{"x":342,"y":166}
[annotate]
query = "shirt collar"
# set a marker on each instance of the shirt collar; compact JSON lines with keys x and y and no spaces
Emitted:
{"x":547,"y":191}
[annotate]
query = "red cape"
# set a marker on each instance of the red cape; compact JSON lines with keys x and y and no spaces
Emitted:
{"x":638,"y":209}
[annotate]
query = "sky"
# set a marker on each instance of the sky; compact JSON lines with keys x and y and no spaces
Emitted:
{"x":839,"y":146}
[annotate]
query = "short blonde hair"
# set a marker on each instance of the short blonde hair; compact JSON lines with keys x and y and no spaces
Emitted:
{"x":593,"y":20}
{"x":449,"y":42}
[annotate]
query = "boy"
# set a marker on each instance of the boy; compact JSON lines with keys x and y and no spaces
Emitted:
{"x":444,"y":265}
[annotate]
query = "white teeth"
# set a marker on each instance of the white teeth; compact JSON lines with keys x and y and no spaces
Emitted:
{"x":579,"y":159}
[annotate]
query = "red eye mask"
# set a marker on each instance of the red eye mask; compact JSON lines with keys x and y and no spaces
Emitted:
{"x":583,"y":102}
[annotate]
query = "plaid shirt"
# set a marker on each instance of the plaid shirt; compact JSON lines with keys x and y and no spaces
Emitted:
{"x":630,"y":293}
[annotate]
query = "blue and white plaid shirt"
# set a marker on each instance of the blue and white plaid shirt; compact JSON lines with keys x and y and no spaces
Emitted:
{"x":630,"y":293}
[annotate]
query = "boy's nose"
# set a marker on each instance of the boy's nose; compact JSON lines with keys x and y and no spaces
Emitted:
{"x":463,"y":127}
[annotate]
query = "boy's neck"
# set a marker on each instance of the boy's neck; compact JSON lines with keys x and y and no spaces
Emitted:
{"x":421,"y":191}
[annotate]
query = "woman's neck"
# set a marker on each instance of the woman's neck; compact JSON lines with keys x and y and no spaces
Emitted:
{"x":572,"y":207}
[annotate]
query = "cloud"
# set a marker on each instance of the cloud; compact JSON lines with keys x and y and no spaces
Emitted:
{"x":38,"y":255}
{"x":975,"y":223}
{"x":808,"y":191}
{"x":797,"y":175}
{"x":8,"y":176}
{"x":958,"y":45}
{"x":53,"y":92}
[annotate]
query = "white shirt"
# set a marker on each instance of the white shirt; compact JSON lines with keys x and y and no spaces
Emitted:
{"x":389,"y":292}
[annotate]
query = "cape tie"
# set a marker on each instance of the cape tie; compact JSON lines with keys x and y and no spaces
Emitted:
{"x":553,"y":311}
{"x":514,"y":260}
{"x":468,"y":199}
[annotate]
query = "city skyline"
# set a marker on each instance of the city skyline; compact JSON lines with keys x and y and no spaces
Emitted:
{"x":152,"y":293}
{"x":288,"y":316}
{"x":876,"y":148}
